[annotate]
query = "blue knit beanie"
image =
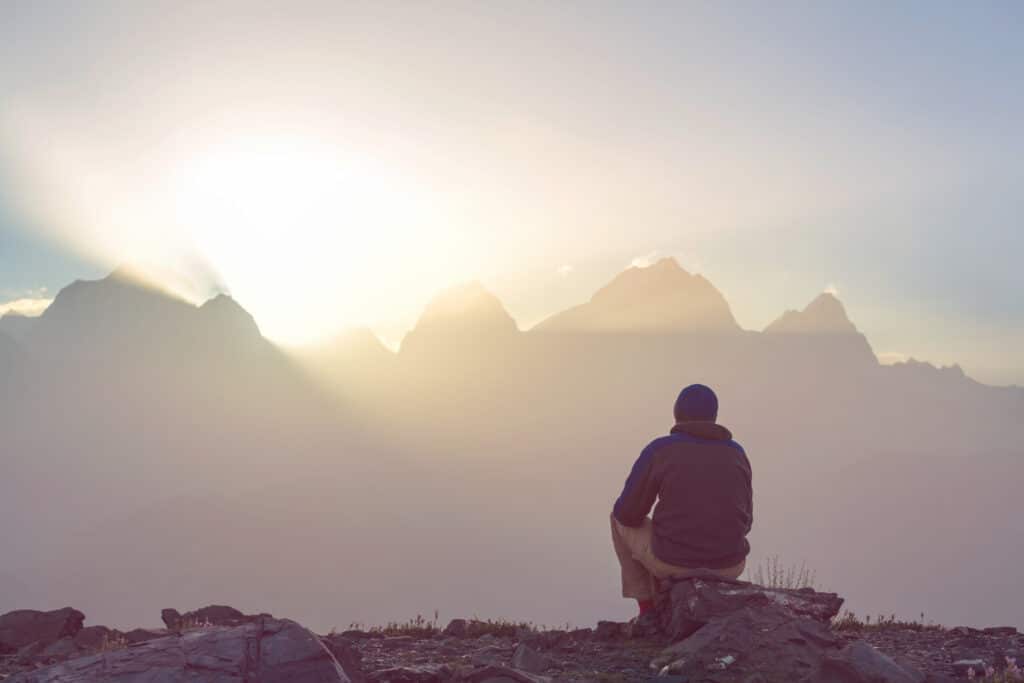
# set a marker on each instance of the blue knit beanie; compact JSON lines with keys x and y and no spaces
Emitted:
{"x":696,"y":403}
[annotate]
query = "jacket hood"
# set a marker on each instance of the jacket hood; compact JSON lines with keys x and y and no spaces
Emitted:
{"x":703,"y":430}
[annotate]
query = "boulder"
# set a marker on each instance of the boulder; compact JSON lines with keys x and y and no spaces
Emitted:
{"x":735,"y":631}
{"x":21,"y":627}
{"x":689,"y":604}
{"x":861,"y":662}
{"x":60,"y":649}
{"x":350,"y":658}
{"x":504,"y":674}
{"x":94,"y":638}
{"x":525,"y":658}
{"x":268,"y":650}
{"x":457,"y":628}
{"x":141,"y":635}
{"x":212,"y":615}
{"x":610,"y":630}
{"x":412,"y":674}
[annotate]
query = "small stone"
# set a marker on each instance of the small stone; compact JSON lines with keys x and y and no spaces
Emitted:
{"x":141,"y":635}
{"x":525,"y":658}
{"x":411,"y":674}
{"x":395,"y":642}
{"x":93,"y":637}
{"x":61,"y":649}
{"x":493,"y":674}
{"x":1000,"y":631}
{"x":608,"y":630}
{"x":456,"y":628}
{"x":962,"y":666}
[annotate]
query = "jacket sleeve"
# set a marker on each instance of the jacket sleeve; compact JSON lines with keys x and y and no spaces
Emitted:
{"x":749,"y":494}
{"x":640,"y":491}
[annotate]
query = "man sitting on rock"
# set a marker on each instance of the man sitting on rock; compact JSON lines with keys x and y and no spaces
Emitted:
{"x":701,"y":480}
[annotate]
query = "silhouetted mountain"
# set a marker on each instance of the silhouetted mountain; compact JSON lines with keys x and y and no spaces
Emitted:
{"x":10,"y":354}
{"x":823,"y":334}
{"x":660,"y":298}
{"x":166,"y":435}
{"x":462,"y":315}
{"x":824,"y":315}
{"x":225,"y":317}
{"x":16,"y":326}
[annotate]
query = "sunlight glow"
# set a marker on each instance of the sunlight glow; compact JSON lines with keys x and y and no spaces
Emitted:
{"x":303,"y":234}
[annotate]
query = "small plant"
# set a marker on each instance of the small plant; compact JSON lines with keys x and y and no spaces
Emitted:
{"x":193,"y":624}
{"x":849,"y":621}
{"x":113,"y":641}
{"x":771,"y":573}
{"x":497,"y":627}
{"x":419,"y":627}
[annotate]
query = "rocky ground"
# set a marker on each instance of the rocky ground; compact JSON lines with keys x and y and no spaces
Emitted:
{"x":713,"y":632}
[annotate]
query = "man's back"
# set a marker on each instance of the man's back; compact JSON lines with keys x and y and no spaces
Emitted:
{"x":701,"y":480}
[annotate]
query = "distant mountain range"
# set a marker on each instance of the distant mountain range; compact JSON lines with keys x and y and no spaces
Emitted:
{"x":157,"y":452}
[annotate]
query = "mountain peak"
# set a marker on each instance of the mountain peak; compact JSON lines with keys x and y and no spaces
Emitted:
{"x":467,"y":304}
{"x":657,"y":298}
{"x":227,"y":314}
{"x":466,"y":311}
{"x":824,"y":315}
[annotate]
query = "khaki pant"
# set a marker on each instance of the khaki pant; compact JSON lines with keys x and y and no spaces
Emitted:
{"x":641,"y":569}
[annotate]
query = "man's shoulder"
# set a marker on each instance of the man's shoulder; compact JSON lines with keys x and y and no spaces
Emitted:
{"x":662,"y":441}
{"x":676,"y":439}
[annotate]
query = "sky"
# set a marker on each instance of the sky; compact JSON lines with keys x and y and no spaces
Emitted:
{"x":334,"y":164}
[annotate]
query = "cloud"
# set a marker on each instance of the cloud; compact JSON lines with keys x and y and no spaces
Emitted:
{"x":31,"y":306}
{"x":565,"y":270}
{"x":832,"y":289}
{"x":644,"y":261}
{"x":892,"y":357}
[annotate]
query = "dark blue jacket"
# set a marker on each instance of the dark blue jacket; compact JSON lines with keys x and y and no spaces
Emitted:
{"x":701,"y":480}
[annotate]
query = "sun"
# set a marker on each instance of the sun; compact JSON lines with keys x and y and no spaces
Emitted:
{"x":309,"y":238}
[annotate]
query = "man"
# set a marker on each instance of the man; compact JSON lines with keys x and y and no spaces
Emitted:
{"x":702,"y":481}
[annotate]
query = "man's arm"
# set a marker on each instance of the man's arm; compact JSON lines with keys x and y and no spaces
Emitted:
{"x":640,"y":491}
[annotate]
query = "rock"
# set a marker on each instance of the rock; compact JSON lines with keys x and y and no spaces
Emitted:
{"x":1000,"y":631}
{"x":412,"y":674}
{"x":456,"y":628}
{"x":766,"y":641}
{"x":171,"y":618}
{"x":494,"y":674}
{"x":962,"y":666}
{"x":94,"y":637}
{"x":60,"y":649}
{"x":688,"y":604}
{"x":646,"y":625}
{"x":349,"y":657}
{"x":549,"y":640}
{"x":525,"y":658}
{"x":21,"y":627}
{"x":729,"y":631}
{"x":214,"y":615}
{"x":609,"y":630}
{"x":357,"y":634}
{"x":269,"y":651}
{"x":28,"y":653}
{"x":396,"y":642}
{"x":939,"y":678}
{"x":141,"y":635}
{"x":859,"y":662}
{"x":489,"y":656}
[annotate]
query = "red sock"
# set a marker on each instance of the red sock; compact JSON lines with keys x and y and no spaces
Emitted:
{"x":645,"y":606}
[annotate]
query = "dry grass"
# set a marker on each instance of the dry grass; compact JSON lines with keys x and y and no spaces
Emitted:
{"x":849,"y":621}
{"x":771,"y":573}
